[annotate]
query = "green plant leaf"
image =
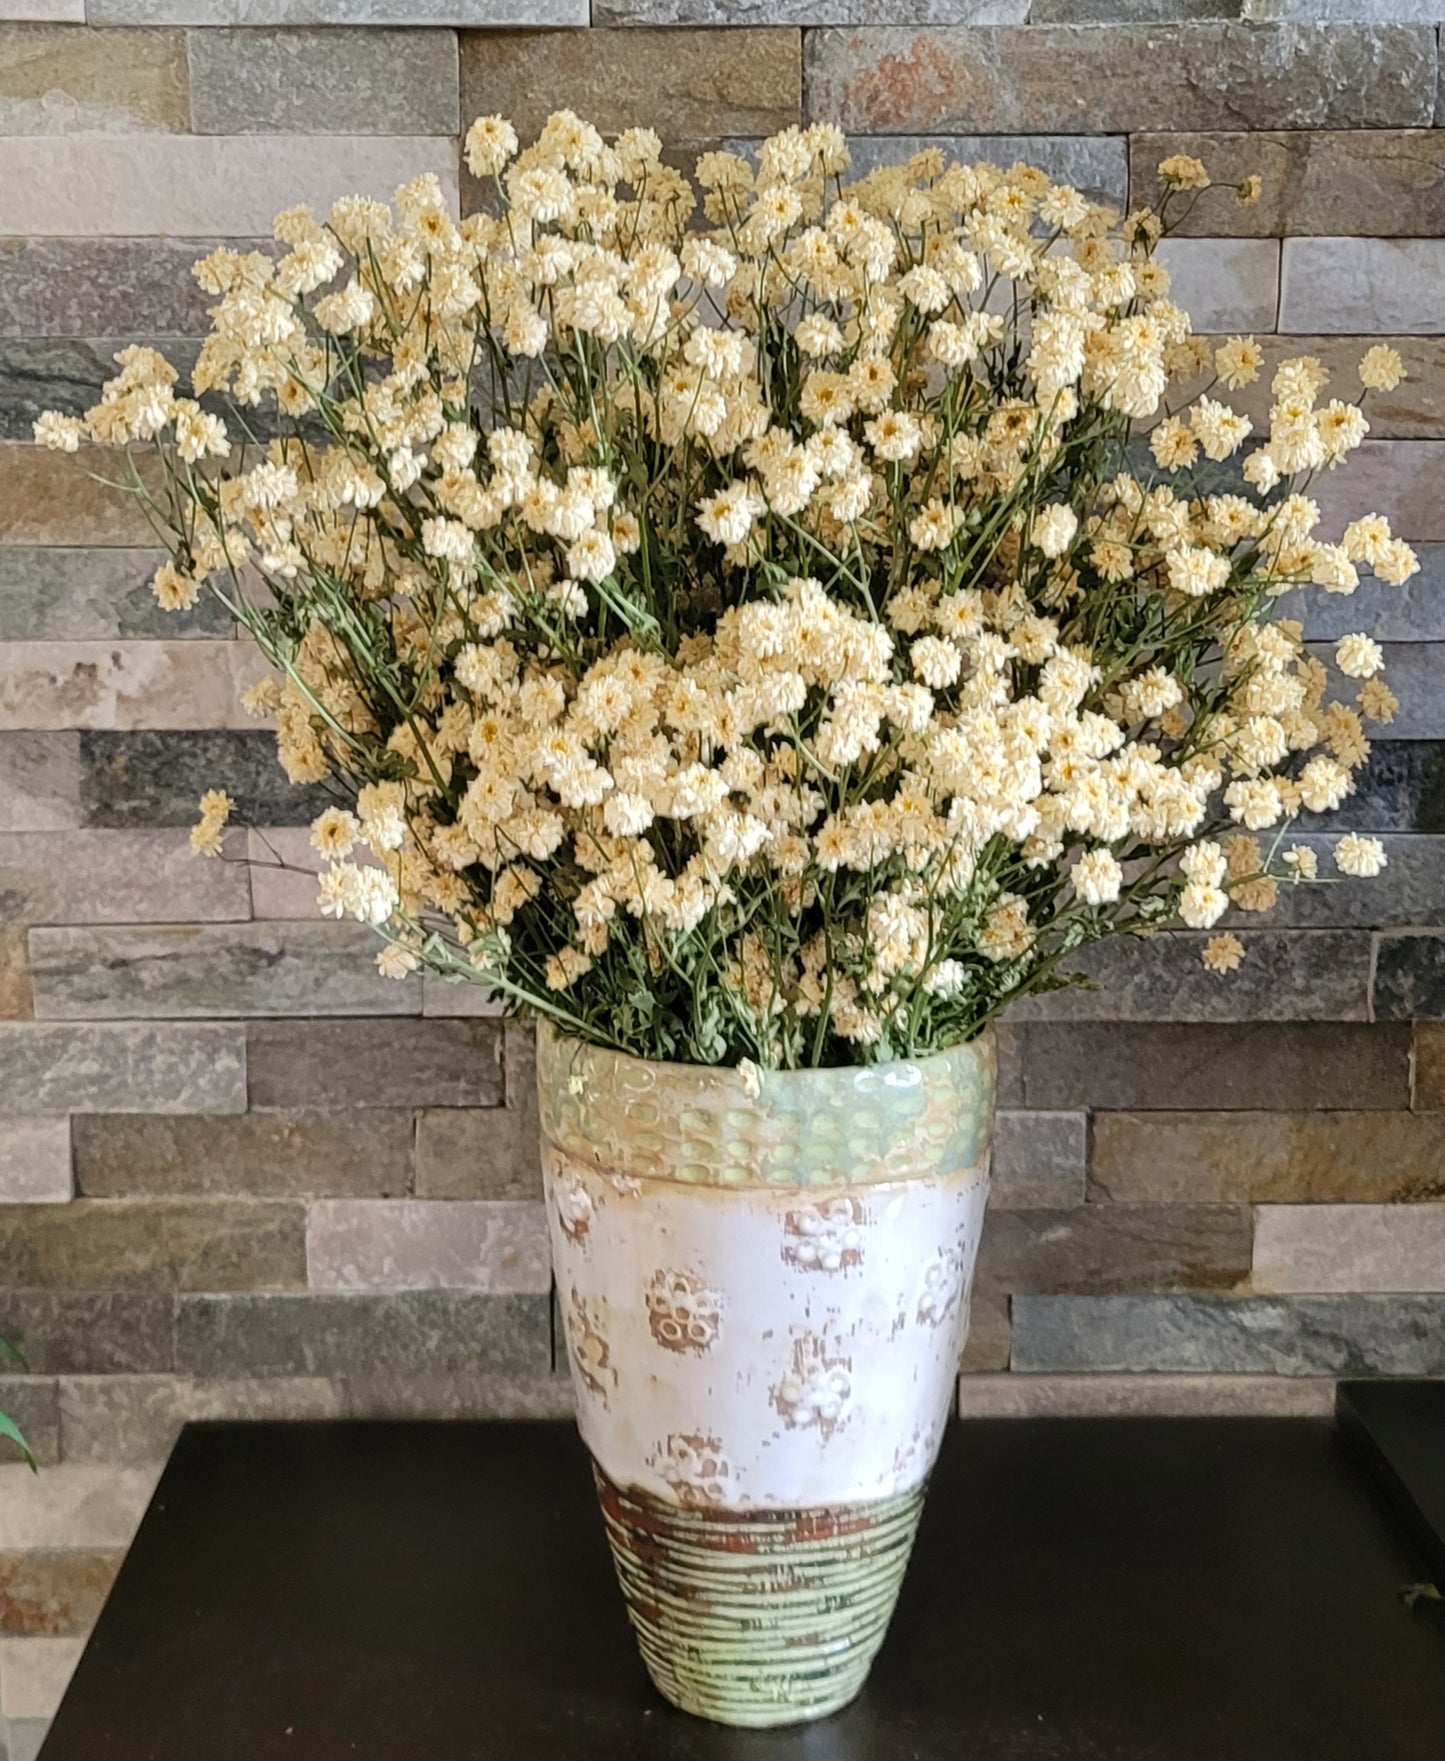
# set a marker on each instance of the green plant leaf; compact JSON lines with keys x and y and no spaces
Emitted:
{"x":8,"y":1428}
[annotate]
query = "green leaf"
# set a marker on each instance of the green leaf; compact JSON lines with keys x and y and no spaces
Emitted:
{"x":7,"y":1350}
{"x":8,"y":1428}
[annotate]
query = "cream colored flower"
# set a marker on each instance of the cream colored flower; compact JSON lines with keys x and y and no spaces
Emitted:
{"x":1223,"y":953}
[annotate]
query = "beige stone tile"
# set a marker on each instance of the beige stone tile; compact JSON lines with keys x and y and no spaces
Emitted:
{"x":1314,"y":1248}
{"x":34,"y":1161}
{"x":1021,"y":1396}
{"x":62,"y":80}
{"x":34,"y":1674}
{"x":407,"y":1244}
{"x":73,"y":1505}
{"x":48,"y":686}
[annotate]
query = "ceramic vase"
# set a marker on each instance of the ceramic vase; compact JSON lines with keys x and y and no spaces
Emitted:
{"x":764,"y":1283}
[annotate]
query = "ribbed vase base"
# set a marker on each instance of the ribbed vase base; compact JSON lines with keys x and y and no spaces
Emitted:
{"x":760,"y":1617}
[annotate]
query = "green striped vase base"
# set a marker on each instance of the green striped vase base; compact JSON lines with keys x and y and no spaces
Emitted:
{"x":759,"y":1617}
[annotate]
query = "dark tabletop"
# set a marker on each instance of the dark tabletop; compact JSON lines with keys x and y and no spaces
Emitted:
{"x":1082,"y":1590}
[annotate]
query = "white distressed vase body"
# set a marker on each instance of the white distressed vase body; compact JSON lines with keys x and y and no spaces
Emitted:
{"x":765,"y":1292}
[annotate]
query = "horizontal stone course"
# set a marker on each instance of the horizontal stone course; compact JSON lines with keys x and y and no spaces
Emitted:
{"x":1415,"y":410}
{"x":50,"y":498}
{"x":809,"y":12}
{"x":322,"y":1333}
{"x":1096,"y":165}
{"x":1409,"y":979}
{"x":1142,"y":1159}
{"x":1225,"y":284}
{"x":73,"y":877}
{"x":692,"y":87}
{"x":1356,"y":1335}
{"x":33,"y":1402}
{"x":291,"y":1154}
{"x":119,"y":684}
{"x":139,"y":185}
{"x":1410,"y":891}
{"x":469,"y":1153}
{"x":1415,"y":672}
{"x":409,"y":1244}
{"x":40,"y":781}
{"x":1414,"y":612}
{"x":1079,"y":80}
{"x":385,"y":1063}
{"x":200,"y":971}
{"x":1286,"y":975}
{"x":1314,"y":182}
{"x":1243,"y":1066}
{"x":75,"y":595}
{"x":88,"y":1332}
{"x":146,"y":777}
{"x":1144,"y":1396}
{"x":73,"y":1506}
{"x":121,"y":1067}
{"x":136,"y":1419}
{"x":1401,"y":788}
{"x":1350,"y":1247}
{"x":153,"y":1244}
{"x":1363,"y":285}
{"x":62,"y":80}
{"x":1429,"y":1065}
{"x":105,"y":287}
{"x":35,"y":1162}
{"x":1038,"y":1160}
{"x":1116,"y":1248}
{"x":488,"y":13}
{"x":54,"y":1592}
{"x":332,"y":82}
{"x":39,"y":373}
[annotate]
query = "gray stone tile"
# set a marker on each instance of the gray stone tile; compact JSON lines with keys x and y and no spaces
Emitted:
{"x":55,"y":1591}
{"x":73,"y":1506}
{"x":1144,"y":1396}
{"x":202,"y":971}
{"x":1426,"y":11}
{"x":1290,"y":1336}
{"x":1349,"y":1247}
{"x":88,"y":1332}
{"x":809,"y":12}
{"x":1286,"y":975}
{"x":25,"y":1736}
{"x":413,"y":1244}
{"x":52,"y":498}
{"x":691,"y":86}
{"x":1415,"y":410}
{"x":34,"y":1404}
{"x":1093,"y":1247}
{"x":66,"y":373}
{"x":447,"y":998}
{"x":362,"y":82}
{"x":121,"y":1067}
{"x":1242,"y":1066}
{"x":34,"y":1674}
{"x":1316,"y":183}
{"x":44,"y":11}
{"x":118,"y":685}
{"x":293,"y":1154}
{"x":410,"y":1063}
{"x":1410,"y":892}
{"x":1095,"y":164}
{"x":57,"y":79}
{"x":1429,"y":1071}
{"x":1130,"y":11}
{"x":35,"y":1161}
{"x":1080,"y":80}
{"x":1409,"y":980}
{"x":136,"y":1419}
{"x":1402,"y":479}
{"x":1400,"y":789}
{"x":1140,"y":1160}
{"x":1362,"y":285}
{"x":154,"y":1244}
{"x":111,"y":877}
{"x":40,"y":782}
{"x":488,"y":14}
{"x":1412,"y":613}
{"x":100,"y":287}
{"x":537,"y":1394}
{"x":72,"y":595}
{"x":322,"y":1334}
{"x":1225,"y":284}
{"x":1038,"y":1160}
{"x":471,"y":1153}
{"x":147,"y":778}
{"x":92,"y":186}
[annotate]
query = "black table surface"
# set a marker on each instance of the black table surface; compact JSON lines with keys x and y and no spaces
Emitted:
{"x":1082,"y":1590}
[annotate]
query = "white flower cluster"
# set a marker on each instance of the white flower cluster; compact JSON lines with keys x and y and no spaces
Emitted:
{"x":785,"y":631}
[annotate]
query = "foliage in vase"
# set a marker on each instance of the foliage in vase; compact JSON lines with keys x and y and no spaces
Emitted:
{"x":784,"y":624}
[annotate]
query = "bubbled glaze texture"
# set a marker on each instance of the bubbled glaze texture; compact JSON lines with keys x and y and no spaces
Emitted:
{"x":852,"y":1126}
